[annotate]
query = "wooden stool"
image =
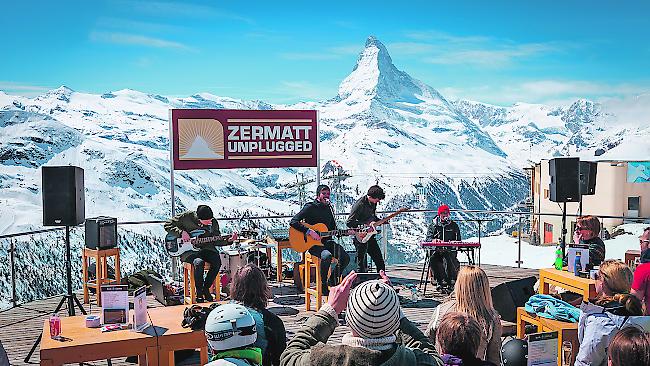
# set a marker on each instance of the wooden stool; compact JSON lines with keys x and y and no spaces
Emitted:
{"x":312,"y":261}
{"x":189,"y":286}
{"x":101,"y":271}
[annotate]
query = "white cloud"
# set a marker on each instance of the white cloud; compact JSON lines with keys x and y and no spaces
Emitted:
{"x":182,"y":9}
{"x":22,"y":89}
{"x":437,"y":47}
{"x":558,"y":92}
{"x":136,"y":39}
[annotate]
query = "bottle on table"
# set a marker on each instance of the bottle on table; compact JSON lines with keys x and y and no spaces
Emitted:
{"x":55,"y":326}
{"x":558,"y":259}
{"x":577,"y":265}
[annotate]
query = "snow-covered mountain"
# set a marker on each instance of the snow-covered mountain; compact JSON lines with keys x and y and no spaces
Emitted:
{"x":383,"y":126}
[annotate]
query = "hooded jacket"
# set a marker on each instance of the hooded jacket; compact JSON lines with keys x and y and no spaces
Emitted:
{"x":304,"y":349}
{"x":597,"y":327}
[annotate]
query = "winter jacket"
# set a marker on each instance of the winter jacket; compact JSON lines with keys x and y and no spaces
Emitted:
{"x":312,"y":213}
{"x":304,"y":349}
{"x":549,"y":307}
{"x":490,"y":346}
{"x":443,"y":230}
{"x":362,"y":212}
{"x":249,"y":356}
{"x":273,"y":331}
{"x":597,"y":327}
{"x":188,"y":221}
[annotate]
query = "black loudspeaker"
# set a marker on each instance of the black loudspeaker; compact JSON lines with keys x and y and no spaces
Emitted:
{"x":565,"y":179}
{"x":508,"y":296}
{"x":588,"y":177}
{"x":63,"y":196}
{"x":101,"y":232}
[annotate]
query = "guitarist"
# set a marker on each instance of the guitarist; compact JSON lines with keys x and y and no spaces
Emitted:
{"x":181,"y":225}
{"x":320,"y":211}
{"x":363,"y":212}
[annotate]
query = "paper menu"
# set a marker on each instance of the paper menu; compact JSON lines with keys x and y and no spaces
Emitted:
{"x":542,"y":349}
{"x":140,"y":320}
{"x":115,"y":304}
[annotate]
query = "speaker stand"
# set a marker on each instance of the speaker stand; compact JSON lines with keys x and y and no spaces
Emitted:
{"x":563,"y":237}
{"x":70,"y":297}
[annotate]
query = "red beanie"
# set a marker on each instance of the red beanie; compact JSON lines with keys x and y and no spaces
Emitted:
{"x":442,"y":209}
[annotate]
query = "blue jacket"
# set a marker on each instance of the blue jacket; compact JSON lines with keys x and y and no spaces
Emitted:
{"x":551,"y":308}
{"x":597,"y":327}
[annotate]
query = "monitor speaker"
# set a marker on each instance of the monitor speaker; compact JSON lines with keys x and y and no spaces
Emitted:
{"x":63,"y":195}
{"x":565,"y":179}
{"x":508,"y":296}
{"x":588,"y":178}
{"x":101,"y":232}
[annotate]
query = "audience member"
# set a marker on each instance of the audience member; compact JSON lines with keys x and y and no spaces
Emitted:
{"x":641,"y":282}
{"x":374,"y":316}
{"x":630,"y":347}
{"x":231,"y":333}
{"x":472,"y":296}
{"x":613,"y":309}
{"x":587,"y":231}
{"x":458,"y":338}
{"x":250,"y":289}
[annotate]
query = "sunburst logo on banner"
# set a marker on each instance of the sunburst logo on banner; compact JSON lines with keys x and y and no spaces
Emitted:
{"x":200,"y":139}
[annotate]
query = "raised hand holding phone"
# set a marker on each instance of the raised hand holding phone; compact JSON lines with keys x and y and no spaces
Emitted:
{"x":338,"y":297}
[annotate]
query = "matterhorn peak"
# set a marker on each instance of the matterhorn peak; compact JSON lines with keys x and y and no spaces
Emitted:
{"x":375,"y":77}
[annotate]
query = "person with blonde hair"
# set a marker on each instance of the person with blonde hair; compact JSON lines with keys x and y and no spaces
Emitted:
{"x":613,"y":309}
{"x":472,"y":296}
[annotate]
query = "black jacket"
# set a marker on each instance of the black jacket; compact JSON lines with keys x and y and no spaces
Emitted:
{"x":445,"y":231}
{"x":276,"y":336}
{"x":313,"y":213}
{"x":362,"y":212}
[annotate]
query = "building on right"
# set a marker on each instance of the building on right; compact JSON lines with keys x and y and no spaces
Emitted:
{"x":622,"y":188}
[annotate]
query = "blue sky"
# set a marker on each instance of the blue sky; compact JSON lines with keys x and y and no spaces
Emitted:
{"x":284,"y":51}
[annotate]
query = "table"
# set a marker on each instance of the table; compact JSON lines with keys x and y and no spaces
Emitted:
{"x":173,"y":337}
{"x":90,"y":344}
{"x":566,"y":331}
{"x":568,"y":281}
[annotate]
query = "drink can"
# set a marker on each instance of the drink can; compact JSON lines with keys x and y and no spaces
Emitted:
{"x":55,"y":326}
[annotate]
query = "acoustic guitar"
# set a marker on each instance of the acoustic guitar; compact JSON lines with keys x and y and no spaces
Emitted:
{"x":301,"y":242}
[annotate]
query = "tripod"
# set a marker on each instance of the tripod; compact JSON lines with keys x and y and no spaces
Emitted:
{"x":69,"y":297}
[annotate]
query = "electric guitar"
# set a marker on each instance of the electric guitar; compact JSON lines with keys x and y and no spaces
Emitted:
{"x":369,"y":232}
{"x":302,"y":242}
{"x":176,"y":246}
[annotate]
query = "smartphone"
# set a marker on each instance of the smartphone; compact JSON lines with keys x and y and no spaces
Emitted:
{"x":365,"y":276}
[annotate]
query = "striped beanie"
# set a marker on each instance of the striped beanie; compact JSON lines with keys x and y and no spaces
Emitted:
{"x":373,"y":310}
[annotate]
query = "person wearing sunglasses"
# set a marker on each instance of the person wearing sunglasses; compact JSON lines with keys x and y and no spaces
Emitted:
{"x":587,"y":231}
{"x":641,"y":282}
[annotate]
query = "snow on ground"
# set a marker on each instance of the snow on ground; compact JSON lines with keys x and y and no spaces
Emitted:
{"x":502,"y":249}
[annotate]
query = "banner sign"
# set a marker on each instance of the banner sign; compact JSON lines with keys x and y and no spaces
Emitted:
{"x":227,"y":138}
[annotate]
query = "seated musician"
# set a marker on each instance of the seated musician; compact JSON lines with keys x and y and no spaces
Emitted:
{"x":181,"y":225}
{"x":320,"y":211}
{"x":444,"y":261}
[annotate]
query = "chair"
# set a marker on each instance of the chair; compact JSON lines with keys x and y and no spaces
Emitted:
{"x":189,"y":291}
{"x":101,"y":271}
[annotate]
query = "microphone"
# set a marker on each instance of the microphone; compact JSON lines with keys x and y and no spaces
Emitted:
{"x":327,"y":201}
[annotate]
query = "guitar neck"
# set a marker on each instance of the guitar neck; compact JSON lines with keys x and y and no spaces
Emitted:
{"x":338,"y":232}
{"x":210,"y":239}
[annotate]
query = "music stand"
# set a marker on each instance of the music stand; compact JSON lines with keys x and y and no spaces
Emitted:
{"x":70,"y":296}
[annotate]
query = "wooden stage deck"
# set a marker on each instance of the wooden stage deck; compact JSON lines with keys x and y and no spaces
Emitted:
{"x":20,"y":326}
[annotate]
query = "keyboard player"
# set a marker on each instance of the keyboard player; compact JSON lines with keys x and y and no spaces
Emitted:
{"x":444,"y":260}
